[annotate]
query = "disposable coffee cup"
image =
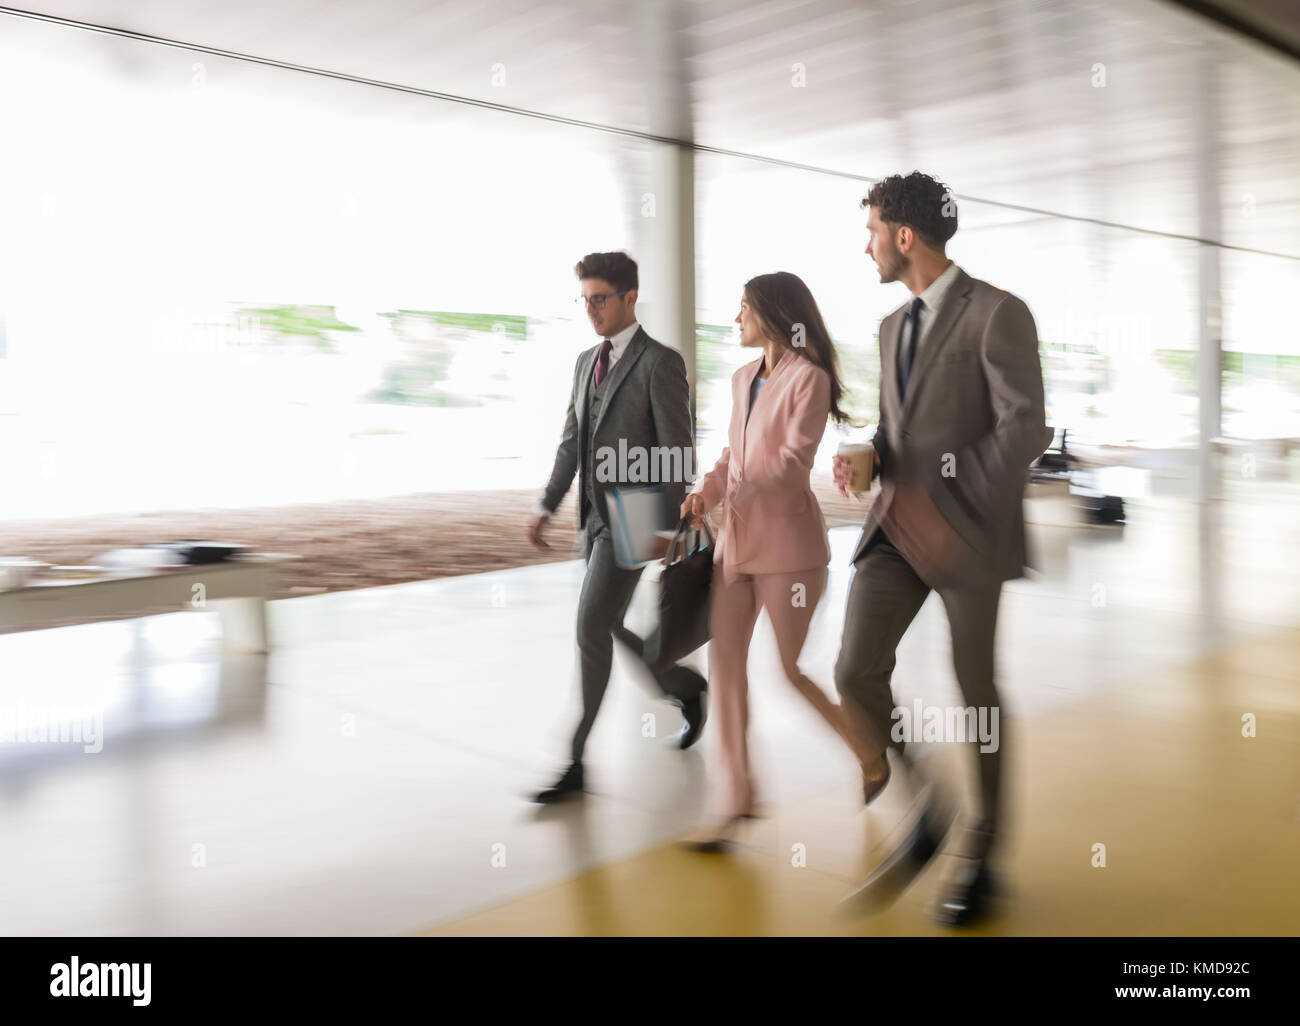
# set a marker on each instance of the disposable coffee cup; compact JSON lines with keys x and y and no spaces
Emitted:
{"x":861,"y":457}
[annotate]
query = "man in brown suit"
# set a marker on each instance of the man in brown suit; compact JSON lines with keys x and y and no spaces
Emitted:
{"x":961,"y":418}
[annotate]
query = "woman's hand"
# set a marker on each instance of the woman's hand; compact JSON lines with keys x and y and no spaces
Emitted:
{"x":841,"y":473}
{"x":693,"y":507}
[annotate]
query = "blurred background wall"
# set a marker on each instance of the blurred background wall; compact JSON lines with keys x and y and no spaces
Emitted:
{"x":324,"y":251}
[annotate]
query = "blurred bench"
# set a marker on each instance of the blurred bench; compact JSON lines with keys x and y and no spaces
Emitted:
{"x":237,"y":589}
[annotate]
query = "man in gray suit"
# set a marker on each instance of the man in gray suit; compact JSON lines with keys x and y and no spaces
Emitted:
{"x":961,"y":419}
{"x":629,"y":393}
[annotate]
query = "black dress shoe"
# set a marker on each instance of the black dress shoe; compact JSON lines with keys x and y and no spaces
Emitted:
{"x":967,"y":896}
{"x":904,"y":864}
{"x":570,"y":783}
{"x":685,"y":687}
{"x":693,"y":715}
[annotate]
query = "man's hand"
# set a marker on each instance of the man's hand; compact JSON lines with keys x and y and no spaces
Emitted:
{"x":916,"y":526}
{"x":843,"y":475}
{"x":535,"y":529}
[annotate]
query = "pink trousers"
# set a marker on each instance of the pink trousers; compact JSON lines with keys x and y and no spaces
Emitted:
{"x":790,"y":600}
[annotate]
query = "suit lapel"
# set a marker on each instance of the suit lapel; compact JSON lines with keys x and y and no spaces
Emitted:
{"x":747,"y":414}
{"x":584,"y":383}
{"x":954,"y":304}
{"x":890,"y":342}
{"x":742,"y":401}
{"x":618,"y":372}
{"x":782,"y":365}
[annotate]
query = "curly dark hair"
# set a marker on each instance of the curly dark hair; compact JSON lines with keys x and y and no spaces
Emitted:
{"x":922,"y":203}
{"x":618,"y":269}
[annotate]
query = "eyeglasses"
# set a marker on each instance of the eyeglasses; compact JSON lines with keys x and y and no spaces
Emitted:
{"x":599,"y":301}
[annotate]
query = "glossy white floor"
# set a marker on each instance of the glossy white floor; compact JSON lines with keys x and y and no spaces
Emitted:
{"x":368,"y":776}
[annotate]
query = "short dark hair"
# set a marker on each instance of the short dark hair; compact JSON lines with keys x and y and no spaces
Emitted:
{"x":922,"y":203}
{"x":618,"y":269}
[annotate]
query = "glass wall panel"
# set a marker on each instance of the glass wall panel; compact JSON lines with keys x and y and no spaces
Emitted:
{"x":231,"y":285}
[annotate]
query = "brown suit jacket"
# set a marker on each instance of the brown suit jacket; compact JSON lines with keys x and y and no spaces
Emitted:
{"x":972,"y":422}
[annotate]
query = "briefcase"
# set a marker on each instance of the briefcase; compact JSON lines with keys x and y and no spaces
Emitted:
{"x":683,"y":596}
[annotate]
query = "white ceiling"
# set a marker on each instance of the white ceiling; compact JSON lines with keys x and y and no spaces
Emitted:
{"x":995,"y":96}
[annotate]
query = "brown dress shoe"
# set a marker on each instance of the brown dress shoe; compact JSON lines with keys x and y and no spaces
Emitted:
{"x":872,"y":788}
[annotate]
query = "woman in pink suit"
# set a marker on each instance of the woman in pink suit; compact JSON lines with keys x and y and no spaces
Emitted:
{"x":772,"y":551}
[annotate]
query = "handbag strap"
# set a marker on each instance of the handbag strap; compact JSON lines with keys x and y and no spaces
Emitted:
{"x":684,"y":528}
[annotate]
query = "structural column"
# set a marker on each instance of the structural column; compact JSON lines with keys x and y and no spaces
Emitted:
{"x":1209,"y":361}
{"x":663,"y":211}
{"x":664,"y":247}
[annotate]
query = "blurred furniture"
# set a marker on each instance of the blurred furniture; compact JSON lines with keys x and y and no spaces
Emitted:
{"x":237,"y":589}
{"x":1061,"y":492}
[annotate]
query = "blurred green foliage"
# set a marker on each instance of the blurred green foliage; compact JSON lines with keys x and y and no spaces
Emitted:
{"x":297,"y":321}
{"x":511,"y":325}
{"x":431,"y":339}
{"x":860,"y":376}
{"x":1237,"y":366}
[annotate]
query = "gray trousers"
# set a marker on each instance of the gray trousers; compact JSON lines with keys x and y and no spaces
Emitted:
{"x":884,"y":597}
{"x":607,"y":591}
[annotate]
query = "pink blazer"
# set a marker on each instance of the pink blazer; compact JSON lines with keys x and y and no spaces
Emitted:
{"x":772,"y":522}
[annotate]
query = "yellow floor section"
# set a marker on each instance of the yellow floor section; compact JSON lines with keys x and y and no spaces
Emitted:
{"x":1201,"y":828}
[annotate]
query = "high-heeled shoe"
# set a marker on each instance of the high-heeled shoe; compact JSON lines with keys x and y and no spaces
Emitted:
{"x":872,"y":788}
{"x":721,"y":838}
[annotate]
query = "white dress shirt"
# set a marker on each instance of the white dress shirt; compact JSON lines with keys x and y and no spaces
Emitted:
{"x":618,"y":344}
{"x":931,"y":299}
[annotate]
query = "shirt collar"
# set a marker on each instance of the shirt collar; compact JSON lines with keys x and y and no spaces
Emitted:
{"x":620,"y":341}
{"x":933,"y":296}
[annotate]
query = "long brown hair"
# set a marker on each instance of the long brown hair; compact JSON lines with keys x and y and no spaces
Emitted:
{"x":782,"y":300}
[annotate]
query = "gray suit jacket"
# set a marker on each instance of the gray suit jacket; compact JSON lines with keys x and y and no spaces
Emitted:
{"x":646,"y":404}
{"x":972,"y":422}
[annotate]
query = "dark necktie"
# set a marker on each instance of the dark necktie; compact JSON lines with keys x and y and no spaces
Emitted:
{"x":602,"y":361}
{"x":909,"y":350}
